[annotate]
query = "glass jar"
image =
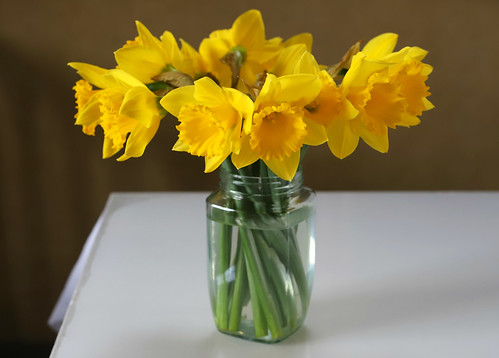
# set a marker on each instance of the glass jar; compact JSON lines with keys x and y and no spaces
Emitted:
{"x":261,"y":253}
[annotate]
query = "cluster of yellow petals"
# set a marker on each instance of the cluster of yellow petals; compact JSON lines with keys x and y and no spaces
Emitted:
{"x":210,"y":119}
{"x":148,"y":56}
{"x":278,"y":129}
{"x":387,"y":89}
{"x":122,"y":106}
{"x":251,"y":98}
{"x":248,"y":34}
{"x":119,"y":101}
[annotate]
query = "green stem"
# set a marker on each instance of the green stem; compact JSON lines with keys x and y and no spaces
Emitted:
{"x":285,"y":243}
{"x":259,"y":323}
{"x":286,"y":248}
{"x":239,"y":290}
{"x":261,"y":287}
{"x":221,"y":310}
{"x":282,"y":283}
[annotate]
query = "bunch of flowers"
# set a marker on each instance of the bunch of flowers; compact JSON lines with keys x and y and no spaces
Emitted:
{"x":250,"y":98}
{"x":253,"y":105}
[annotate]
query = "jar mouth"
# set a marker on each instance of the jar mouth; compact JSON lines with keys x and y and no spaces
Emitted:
{"x":241,"y":185}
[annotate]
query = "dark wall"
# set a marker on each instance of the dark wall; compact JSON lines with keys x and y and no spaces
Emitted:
{"x":54,"y":183}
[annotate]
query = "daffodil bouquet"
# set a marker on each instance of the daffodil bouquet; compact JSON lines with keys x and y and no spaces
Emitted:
{"x":253,"y":105}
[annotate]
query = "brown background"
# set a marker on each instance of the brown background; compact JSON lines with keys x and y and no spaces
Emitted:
{"x":53,"y":183}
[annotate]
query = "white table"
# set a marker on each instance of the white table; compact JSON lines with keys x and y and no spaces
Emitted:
{"x":397,"y":275}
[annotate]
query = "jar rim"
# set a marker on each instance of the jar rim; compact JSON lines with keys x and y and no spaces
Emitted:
{"x":241,"y":185}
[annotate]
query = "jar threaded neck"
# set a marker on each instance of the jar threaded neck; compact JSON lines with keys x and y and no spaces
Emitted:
{"x":238,"y":185}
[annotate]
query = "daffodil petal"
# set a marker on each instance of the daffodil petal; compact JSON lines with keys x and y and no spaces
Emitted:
{"x":307,"y":64}
{"x":241,"y":102}
{"x":246,"y":155}
{"x":378,"y":142}
{"x":174,"y":100}
{"x":380,"y":46}
{"x":192,"y":63}
{"x":416,"y":54}
{"x":208,"y":92}
{"x":171,"y":48}
{"x":303,"y":38}
{"x":138,"y":140}
{"x":108,"y":148}
{"x":140,"y":104}
{"x":90,"y":114}
{"x":147,"y":39}
{"x":267,"y":54}
{"x":212,"y":50}
{"x":235,"y":140}
{"x":427,"y":69}
{"x":91,"y":73}
{"x":187,"y":50}
{"x":348,"y":111}
{"x":427,"y":104}
{"x":214,"y":47}
{"x":360,"y":71}
{"x":287,"y":60}
{"x":316,"y":133}
{"x":248,"y":122}
{"x":297,"y":89}
{"x":396,"y":57}
{"x":142,"y":62}
{"x":121,"y":79}
{"x":286,"y":168}
{"x":180,"y":146}
{"x":408,"y":120}
{"x":210,"y":164}
{"x":248,"y":29}
{"x":342,"y":139}
{"x":270,"y":81}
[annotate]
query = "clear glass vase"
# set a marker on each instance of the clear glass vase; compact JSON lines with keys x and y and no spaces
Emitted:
{"x":261,"y":247}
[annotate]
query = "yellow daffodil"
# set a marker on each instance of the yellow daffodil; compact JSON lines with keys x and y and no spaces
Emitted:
{"x":329,"y":106}
{"x":210,"y":119}
{"x":123,"y":106}
{"x":387,"y":89}
{"x":147,"y":56}
{"x":277,"y":130}
{"x":295,"y":59}
{"x":247,"y":40}
{"x":244,"y":49}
